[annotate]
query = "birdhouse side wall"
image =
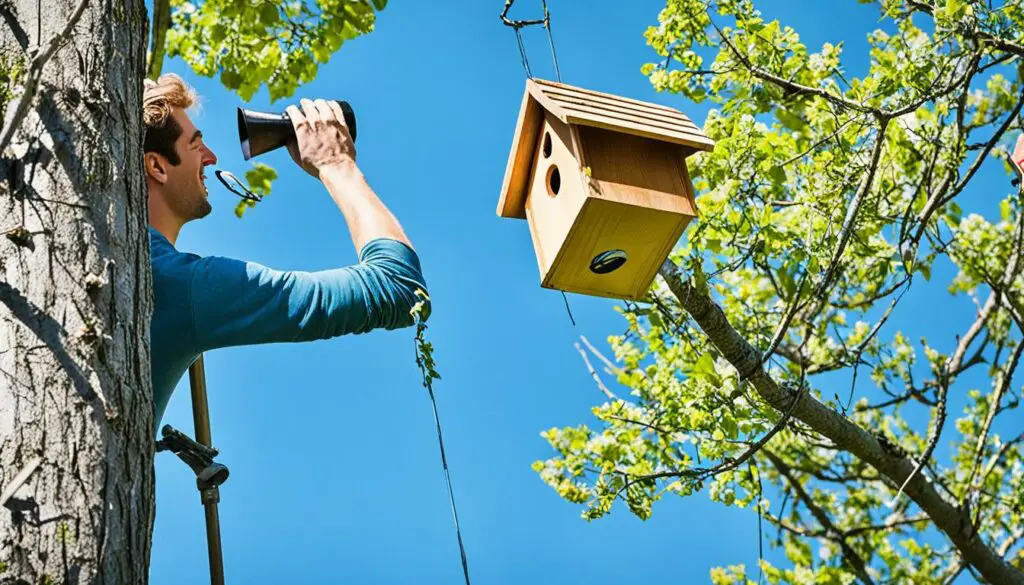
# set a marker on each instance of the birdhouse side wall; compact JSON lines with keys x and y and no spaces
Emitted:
{"x":555,"y":192}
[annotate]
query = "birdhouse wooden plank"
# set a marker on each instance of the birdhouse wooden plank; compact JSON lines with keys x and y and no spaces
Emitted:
{"x":603,"y":184}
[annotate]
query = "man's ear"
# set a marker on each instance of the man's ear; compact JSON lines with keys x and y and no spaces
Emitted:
{"x":156,"y":166}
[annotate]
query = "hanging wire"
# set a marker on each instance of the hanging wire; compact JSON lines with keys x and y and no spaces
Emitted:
{"x":519,"y":24}
{"x":522,"y":54}
{"x":448,"y":481}
{"x":551,"y":40}
{"x":425,"y":362}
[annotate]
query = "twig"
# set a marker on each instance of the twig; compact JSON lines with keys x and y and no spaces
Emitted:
{"x":993,"y":408}
{"x":516,"y":23}
{"x":35,"y":73}
{"x":593,"y":374}
{"x":790,"y":85}
{"x":608,"y":364}
{"x":19,"y":479}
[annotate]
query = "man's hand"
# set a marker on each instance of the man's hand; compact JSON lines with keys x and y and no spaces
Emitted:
{"x":1017,"y":158}
{"x":322,"y":139}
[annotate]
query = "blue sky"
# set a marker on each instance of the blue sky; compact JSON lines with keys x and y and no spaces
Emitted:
{"x":336,"y":475}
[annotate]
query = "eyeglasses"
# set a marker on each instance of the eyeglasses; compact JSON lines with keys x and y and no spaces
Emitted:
{"x":236,"y":186}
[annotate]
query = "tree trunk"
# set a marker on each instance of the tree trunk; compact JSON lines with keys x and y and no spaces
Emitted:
{"x":76,"y":408}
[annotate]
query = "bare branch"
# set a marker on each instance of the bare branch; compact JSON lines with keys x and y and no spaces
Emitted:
{"x":593,"y":374}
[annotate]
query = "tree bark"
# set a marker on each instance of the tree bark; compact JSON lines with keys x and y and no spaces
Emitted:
{"x":943,"y":511}
{"x":76,"y":407}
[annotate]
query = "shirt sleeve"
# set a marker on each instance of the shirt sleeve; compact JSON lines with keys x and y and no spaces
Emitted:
{"x":244,"y":303}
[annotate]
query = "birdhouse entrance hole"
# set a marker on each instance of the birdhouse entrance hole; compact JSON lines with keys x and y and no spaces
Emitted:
{"x":554,"y":180}
{"x":608,"y":261}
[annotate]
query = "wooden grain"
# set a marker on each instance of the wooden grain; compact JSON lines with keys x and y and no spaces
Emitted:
{"x":646,"y":235}
{"x":599,"y":113}
{"x":551,"y":217}
{"x":637,"y":171}
{"x":517,"y":170}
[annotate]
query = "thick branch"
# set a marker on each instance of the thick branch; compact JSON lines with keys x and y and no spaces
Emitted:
{"x":161,"y":21}
{"x":954,"y":521}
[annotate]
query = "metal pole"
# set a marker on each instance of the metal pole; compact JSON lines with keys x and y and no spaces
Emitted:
{"x":210,"y":495}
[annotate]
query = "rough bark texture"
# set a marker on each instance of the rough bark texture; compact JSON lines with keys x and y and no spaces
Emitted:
{"x":75,"y":302}
{"x":944,"y":512}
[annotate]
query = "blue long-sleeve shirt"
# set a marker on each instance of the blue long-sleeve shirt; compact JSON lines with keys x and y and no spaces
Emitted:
{"x":203,"y":303}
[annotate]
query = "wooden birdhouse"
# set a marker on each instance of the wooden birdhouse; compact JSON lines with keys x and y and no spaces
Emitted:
{"x":602,"y":182}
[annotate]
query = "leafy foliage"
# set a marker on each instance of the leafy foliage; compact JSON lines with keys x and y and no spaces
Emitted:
{"x":424,"y":349}
{"x":828,"y":198}
{"x":274,"y":43}
{"x":12,"y":69}
{"x":259,"y":178}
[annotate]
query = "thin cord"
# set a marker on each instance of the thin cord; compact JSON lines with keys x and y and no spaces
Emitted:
{"x":519,"y":24}
{"x":451,"y":492}
{"x":567,"y":309}
{"x":551,"y":40}
{"x":425,"y":362}
{"x":522,"y":54}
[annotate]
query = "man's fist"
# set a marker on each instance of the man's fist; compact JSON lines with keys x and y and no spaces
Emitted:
{"x":321,"y":136}
{"x":1017,"y":158}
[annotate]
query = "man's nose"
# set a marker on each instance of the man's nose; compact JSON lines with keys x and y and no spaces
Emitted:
{"x":209,"y":158}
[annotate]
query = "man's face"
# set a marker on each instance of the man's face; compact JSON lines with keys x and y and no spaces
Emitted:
{"x":185,"y":185}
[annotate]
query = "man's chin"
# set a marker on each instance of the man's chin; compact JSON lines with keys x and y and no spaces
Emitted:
{"x":204,"y":209}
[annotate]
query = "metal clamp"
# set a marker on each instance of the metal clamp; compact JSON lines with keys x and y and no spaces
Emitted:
{"x":197,"y":456}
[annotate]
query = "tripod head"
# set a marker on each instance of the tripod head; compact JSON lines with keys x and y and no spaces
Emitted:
{"x":197,"y":456}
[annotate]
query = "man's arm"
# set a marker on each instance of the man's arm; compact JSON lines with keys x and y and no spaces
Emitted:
{"x":243,"y":303}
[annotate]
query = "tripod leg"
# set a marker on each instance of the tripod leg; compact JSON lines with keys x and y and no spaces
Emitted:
{"x":210,"y":496}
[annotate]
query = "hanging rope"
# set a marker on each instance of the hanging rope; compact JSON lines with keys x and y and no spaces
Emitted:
{"x":517,"y":25}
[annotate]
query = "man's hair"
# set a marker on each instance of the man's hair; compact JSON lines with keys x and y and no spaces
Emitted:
{"x":158,"y":97}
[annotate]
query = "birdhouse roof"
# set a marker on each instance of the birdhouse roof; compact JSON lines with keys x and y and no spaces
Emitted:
{"x":584,"y":107}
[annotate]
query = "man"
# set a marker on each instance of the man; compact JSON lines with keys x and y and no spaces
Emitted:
{"x":207,"y":303}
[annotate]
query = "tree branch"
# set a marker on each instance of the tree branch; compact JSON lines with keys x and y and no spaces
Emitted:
{"x":593,"y":374}
{"x":948,"y":517}
{"x":1006,"y":375}
{"x":792,"y":86}
{"x":160,"y":24}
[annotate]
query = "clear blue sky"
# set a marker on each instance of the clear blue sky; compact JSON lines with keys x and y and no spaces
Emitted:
{"x":336,"y":476}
